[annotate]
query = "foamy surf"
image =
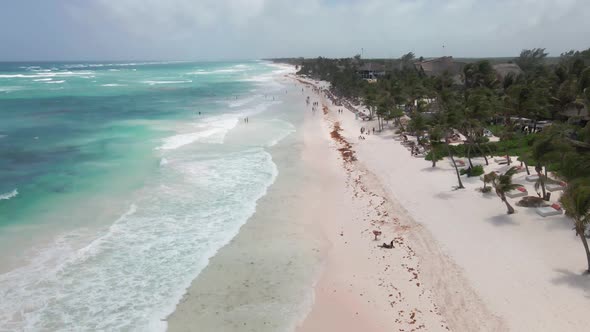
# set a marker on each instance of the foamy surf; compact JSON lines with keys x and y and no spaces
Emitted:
{"x":9,"y":195}
{"x":212,"y":131}
{"x":286,"y":129}
{"x":166,"y":82}
{"x":132,"y":276}
{"x":112,"y":85}
{"x":128,"y":273}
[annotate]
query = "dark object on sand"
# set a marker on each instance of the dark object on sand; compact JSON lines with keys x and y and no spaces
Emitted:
{"x":387,"y":246}
{"x":531,"y":201}
{"x":376,"y":233}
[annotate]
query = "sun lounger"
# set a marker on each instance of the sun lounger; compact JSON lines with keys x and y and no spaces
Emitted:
{"x":520,"y":169}
{"x":532,"y":178}
{"x":499,"y":160}
{"x":548,"y":211}
{"x":555,"y":186}
{"x":518,"y":192}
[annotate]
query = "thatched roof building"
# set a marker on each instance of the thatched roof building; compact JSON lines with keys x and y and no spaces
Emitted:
{"x":372,"y":70}
{"x":439,"y":66}
{"x":505,"y":69}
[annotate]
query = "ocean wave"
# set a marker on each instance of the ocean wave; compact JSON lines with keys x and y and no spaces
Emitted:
{"x":9,"y":195}
{"x":166,"y":82}
{"x":241,"y":102}
{"x":130,"y":64}
{"x":55,"y":82}
{"x":217,"y":71}
{"x":10,"y":88}
{"x":85,"y":74}
{"x":214,"y":130}
{"x":286,"y":129}
{"x":113,"y":85}
{"x":43,"y":79}
{"x":135,"y":272}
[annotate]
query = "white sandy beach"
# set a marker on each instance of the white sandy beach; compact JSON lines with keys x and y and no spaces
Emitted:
{"x":526,"y":269}
{"x":459,"y":262}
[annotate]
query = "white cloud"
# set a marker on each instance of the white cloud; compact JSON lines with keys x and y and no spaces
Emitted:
{"x":264,"y":28}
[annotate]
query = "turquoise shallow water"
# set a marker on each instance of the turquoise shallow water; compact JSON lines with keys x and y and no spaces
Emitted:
{"x":114,"y":190}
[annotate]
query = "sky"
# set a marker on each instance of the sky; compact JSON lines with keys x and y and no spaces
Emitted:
{"x":254,"y":29}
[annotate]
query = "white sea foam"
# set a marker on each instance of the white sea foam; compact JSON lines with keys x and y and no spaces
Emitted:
{"x":232,"y":70}
{"x":166,"y":82}
{"x":113,"y":84}
{"x":99,"y":65}
{"x":84,"y":74}
{"x":10,"y":88}
{"x":43,"y":79}
{"x":134,"y":273}
{"x":286,"y":129}
{"x":268,"y":81}
{"x":55,"y":82}
{"x":164,"y":162}
{"x":242,"y":101}
{"x":8,"y":195}
{"x":213,"y":130}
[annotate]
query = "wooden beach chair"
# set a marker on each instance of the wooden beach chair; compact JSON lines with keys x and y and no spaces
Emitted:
{"x":548,"y":211}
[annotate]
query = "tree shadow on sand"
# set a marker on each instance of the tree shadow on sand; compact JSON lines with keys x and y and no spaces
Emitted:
{"x":443,"y":195}
{"x":580,"y":280}
{"x":432,"y":169}
{"x":501,"y":220}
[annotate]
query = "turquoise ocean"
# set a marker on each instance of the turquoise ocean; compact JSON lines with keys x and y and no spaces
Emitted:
{"x":117,"y":184}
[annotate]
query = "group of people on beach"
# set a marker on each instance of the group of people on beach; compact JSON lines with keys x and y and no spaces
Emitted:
{"x":340,"y":111}
{"x":246,"y":120}
{"x":366,"y":131}
{"x":315,"y":106}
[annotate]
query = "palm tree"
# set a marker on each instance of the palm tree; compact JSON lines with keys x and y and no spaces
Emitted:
{"x":503,"y":184}
{"x":435,"y":134}
{"x":576,"y":202}
{"x":460,"y":186}
{"x":488,"y":178}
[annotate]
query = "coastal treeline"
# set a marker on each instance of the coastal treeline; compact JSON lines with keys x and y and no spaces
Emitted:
{"x":537,"y":106}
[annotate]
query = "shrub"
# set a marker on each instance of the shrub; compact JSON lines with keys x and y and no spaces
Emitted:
{"x":486,"y":189}
{"x":476,"y":170}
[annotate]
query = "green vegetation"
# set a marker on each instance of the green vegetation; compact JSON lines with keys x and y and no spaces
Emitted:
{"x":476,"y":170}
{"x":537,"y":107}
{"x":503,"y":184}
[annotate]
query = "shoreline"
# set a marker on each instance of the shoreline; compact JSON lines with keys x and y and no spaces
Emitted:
{"x":448,"y":269}
{"x":261,"y":280}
